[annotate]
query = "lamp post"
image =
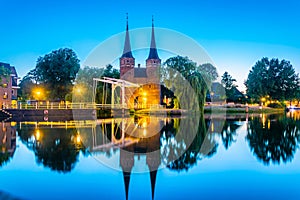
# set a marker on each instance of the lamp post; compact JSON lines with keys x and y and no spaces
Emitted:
{"x":263,"y":99}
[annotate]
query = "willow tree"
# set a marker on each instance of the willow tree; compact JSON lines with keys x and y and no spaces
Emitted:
{"x":178,"y":69}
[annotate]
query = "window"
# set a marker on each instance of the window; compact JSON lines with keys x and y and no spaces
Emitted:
{"x":5,"y":85}
{"x":12,"y":92}
{"x":5,"y":95}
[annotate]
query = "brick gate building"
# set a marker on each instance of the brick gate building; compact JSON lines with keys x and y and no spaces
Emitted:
{"x":148,"y":95}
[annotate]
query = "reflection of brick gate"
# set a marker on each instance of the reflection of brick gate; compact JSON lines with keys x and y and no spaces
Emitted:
{"x":114,"y":83}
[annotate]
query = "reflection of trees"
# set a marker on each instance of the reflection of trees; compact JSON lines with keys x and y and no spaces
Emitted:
{"x":228,"y":133}
{"x":56,"y":148}
{"x":4,"y":157}
{"x":273,"y":139}
{"x":204,"y":144}
{"x":191,"y":154}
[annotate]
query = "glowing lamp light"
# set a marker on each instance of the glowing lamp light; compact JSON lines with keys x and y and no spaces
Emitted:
{"x":37,"y":135}
{"x":78,"y":139}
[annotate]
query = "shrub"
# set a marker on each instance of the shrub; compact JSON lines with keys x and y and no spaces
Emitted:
{"x":275,"y":105}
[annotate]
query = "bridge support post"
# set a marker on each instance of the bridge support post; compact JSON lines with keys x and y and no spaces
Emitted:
{"x":113,"y":87}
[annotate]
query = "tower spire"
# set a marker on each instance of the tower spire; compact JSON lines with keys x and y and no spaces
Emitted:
{"x":127,"y":48}
{"x":153,"y":51}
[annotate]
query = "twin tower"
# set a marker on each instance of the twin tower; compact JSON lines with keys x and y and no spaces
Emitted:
{"x":147,"y":77}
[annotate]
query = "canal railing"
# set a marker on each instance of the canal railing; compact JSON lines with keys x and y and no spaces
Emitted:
{"x":59,"y":106}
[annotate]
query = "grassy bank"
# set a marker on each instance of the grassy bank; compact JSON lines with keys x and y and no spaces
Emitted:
{"x":254,"y":109}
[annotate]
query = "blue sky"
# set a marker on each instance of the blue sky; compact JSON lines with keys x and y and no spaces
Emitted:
{"x":234,"y":34}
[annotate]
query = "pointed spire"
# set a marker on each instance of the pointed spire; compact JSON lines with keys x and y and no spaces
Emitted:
{"x":126,"y":176}
{"x":153,"y":51}
{"x":153,"y":181}
{"x":127,"y":48}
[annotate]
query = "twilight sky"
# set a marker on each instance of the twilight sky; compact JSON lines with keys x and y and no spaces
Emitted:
{"x":234,"y":34}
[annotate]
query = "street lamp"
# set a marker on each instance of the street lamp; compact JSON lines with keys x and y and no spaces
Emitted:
{"x":263,"y":99}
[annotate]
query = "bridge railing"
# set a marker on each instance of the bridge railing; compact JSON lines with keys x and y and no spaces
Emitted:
{"x":64,"y":105}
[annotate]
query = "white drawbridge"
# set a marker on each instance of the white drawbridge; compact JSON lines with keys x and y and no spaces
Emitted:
{"x":114,"y":83}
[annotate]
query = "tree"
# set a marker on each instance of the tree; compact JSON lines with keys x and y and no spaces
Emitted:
{"x":4,"y":73}
{"x":84,"y":81}
{"x":273,"y":78}
{"x":230,"y":87}
{"x":57,"y":71}
{"x":210,"y":70}
{"x":257,"y":80}
{"x":85,"y":75}
{"x":27,"y":85}
{"x":176,"y":69}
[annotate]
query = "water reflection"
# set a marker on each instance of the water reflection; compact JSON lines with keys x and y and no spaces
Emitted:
{"x":175,"y":143}
{"x":191,"y":155}
{"x":7,"y":142}
{"x":274,"y":138}
{"x":147,"y":143}
{"x":55,"y":147}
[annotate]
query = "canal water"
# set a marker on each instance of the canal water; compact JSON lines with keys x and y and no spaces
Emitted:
{"x":253,"y":156}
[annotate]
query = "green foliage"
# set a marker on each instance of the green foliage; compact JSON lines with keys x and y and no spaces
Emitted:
{"x":57,"y":71}
{"x":228,"y":81}
{"x":85,"y":75}
{"x":84,"y":80}
{"x":209,"y":72}
{"x":27,"y":85}
{"x":4,"y":73}
{"x":274,"y":78}
{"x":177,"y":69}
{"x":232,"y":93}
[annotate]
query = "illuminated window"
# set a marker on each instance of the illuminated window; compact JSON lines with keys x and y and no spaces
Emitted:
{"x":5,"y":85}
{"x":5,"y":95}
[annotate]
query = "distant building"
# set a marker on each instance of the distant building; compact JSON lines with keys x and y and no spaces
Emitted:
{"x":217,"y":94}
{"x":148,"y":77}
{"x":8,"y":87}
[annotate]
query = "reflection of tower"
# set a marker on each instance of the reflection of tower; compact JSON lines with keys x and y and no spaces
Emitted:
{"x":149,"y":147}
{"x":126,"y":162}
{"x":148,"y":77}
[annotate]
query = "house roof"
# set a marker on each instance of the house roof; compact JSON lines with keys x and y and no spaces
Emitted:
{"x":140,"y":72}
